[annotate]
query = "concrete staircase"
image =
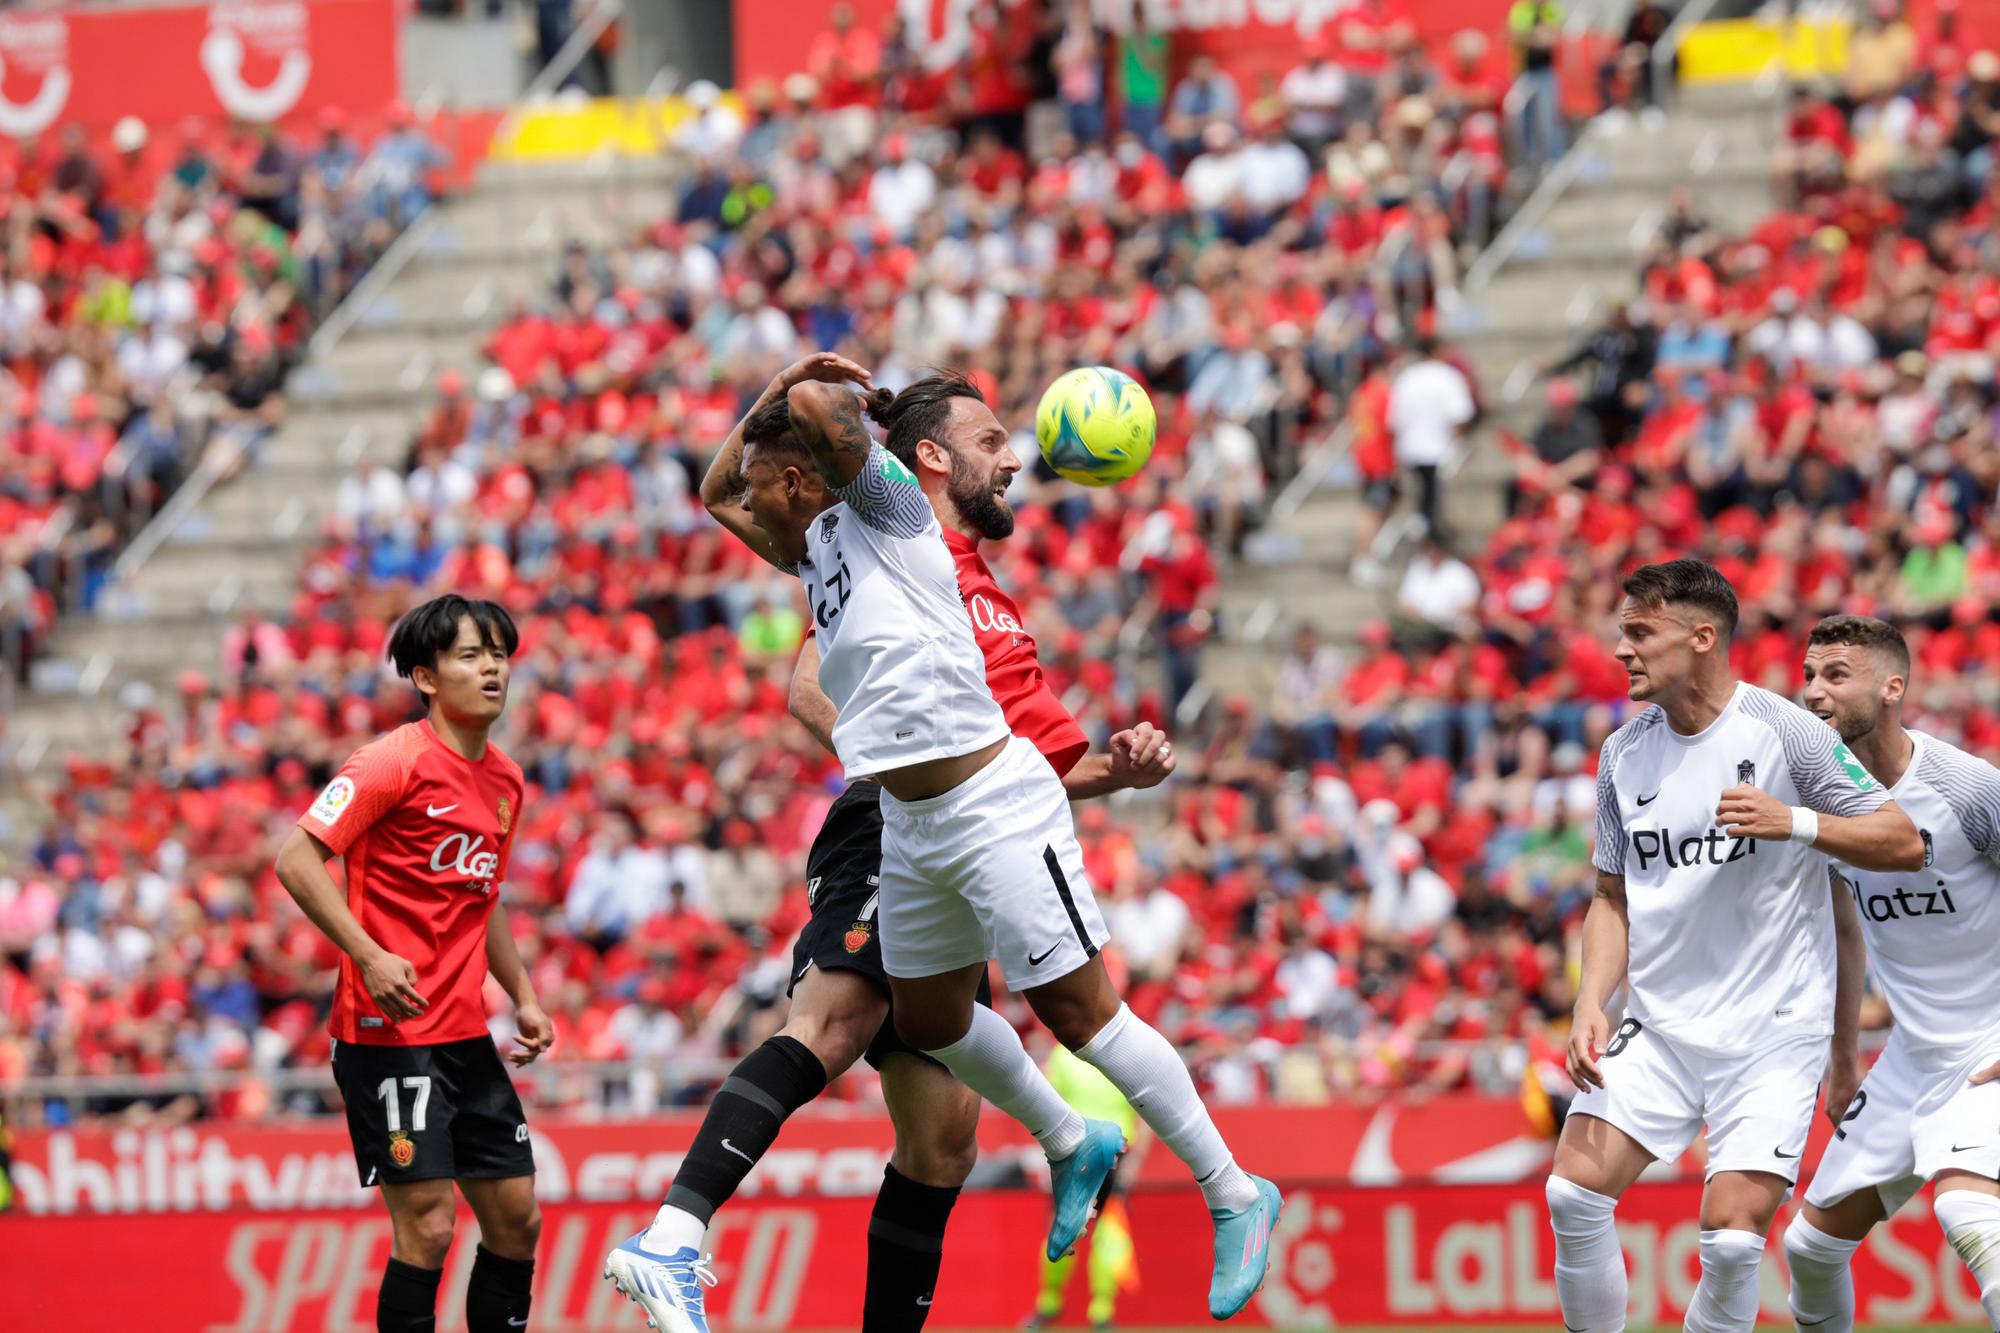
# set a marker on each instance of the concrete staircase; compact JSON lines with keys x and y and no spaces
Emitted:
{"x":1575,"y":262}
{"x":360,"y":398}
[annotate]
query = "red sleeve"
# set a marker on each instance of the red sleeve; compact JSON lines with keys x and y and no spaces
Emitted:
{"x":369,"y":785}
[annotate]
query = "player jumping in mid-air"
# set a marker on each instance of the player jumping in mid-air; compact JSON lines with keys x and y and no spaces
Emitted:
{"x":424,"y":818}
{"x":840,"y":993}
{"x":1114,"y":1260}
{"x":1713,"y":907}
{"x":1930,"y":1108}
{"x":979,"y":854}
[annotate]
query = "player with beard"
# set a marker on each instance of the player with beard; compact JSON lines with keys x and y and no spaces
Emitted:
{"x":840,"y":991}
{"x":1716,"y":808}
{"x":1930,"y":1108}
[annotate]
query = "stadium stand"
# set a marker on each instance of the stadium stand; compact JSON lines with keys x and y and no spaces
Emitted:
{"x":158,"y":287}
{"x":1365,"y":875}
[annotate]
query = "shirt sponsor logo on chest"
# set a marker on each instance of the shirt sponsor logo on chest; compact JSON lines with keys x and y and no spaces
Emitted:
{"x":463,"y":854}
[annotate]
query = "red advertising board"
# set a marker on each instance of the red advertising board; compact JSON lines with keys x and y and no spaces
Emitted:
{"x":826,"y":1151}
{"x":248,"y":60}
{"x":1423,"y":1214}
{"x":773,"y":36}
{"x":1423,"y":1256}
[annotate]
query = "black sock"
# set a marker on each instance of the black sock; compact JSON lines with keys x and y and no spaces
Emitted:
{"x":407,"y":1302}
{"x":496,"y":1295}
{"x":767,"y":1085}
{"x":905,"y":1247}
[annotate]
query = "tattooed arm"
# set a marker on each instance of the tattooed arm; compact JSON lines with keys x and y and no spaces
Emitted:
{"x":881,"y":491}
{"x":827,"y":419}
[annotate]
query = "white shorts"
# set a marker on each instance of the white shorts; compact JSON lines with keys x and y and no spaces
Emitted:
{"x":1758,"y":1105}
{"x":989,"y":870}
{"x":1915,"y":1116}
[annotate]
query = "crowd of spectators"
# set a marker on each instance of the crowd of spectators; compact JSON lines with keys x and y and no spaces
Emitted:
{"x":155,"y":287}
{"x":1337,"y":879}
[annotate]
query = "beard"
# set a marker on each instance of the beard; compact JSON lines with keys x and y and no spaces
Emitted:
{"x":990,"y":516}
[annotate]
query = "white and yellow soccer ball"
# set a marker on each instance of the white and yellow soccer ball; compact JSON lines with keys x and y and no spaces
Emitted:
{"x":1095,"y":426}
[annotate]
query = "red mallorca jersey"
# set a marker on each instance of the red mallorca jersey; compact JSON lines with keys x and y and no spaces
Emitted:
{"x":1013,"y":671}
{"x":426,"y":833}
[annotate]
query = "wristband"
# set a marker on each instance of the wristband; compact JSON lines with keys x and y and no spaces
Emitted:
{"x":1805,"y":825}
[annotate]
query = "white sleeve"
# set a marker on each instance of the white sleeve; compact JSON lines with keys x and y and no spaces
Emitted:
{"x":1610,"y":854}
{"x":885,"y":495}
{"x":1828,"y":776}
{"x":1971,"y":787}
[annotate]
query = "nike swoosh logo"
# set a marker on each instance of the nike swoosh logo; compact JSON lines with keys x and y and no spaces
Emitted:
{"x":1037,"y":960}
{"x":434,"y":811}
{"x":727,"y":1146}
{"x":923,"y":1300}
{"x":1788,"y":1156}
{"x":1967,"y":1148}
{"x":517,"y":1323}
{"x":1803,"y":1323}
{"x":1643,"y":800}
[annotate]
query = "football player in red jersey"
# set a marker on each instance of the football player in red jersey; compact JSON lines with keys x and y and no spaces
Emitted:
{"x":424,"y":818}
{"x":840,"y":989}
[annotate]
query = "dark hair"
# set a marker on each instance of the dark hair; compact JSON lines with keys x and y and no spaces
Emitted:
{"x":1863,"y":632}
{"x":1686,"y":583}
{"x":919,"y":412}
{"x":770,"y":429}
{"x":427,"y":632}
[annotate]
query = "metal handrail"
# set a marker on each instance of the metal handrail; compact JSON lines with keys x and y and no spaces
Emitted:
{"x":1691,"y":15}
{"x":684,"y":1073}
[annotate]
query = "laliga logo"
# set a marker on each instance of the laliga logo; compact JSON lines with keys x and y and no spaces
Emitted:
{"x":468,"y":860}
{"x":40,"y":43}
{"x":272,"y":28}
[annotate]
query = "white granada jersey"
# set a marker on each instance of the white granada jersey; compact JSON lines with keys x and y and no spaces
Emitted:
{"x":897,"y":656}
{"x":1731,"y":938}
{"x":1934,"y":934}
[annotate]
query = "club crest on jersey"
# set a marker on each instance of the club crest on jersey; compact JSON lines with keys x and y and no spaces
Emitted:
{"x":856,"y":938}
{"x":506,"y":816}
{"x":826,"y":526}
{"x":1746,"y":773}
{"x":1930,"y":851}
{"x":401,"y":1150}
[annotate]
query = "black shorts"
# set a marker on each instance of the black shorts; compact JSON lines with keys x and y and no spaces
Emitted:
{"x":1380,"y":494}
{"x":843,"y":886}
{"x":432,"y":1112}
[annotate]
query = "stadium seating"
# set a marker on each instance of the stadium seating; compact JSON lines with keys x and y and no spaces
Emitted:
{"x":164,"y":282}
{"x":1365,"y":880}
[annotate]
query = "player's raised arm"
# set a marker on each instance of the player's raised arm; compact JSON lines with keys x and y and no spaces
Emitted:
{"x":723,"y":482}
{"x":828,"y":420}
{"x":808,"y":702}
{"x":390,"y":981}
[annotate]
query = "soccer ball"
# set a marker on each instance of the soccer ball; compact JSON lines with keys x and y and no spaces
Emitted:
{"x":1095,"y":426}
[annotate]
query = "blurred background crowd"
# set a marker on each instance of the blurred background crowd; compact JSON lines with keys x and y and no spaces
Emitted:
{"x":1366,"y":880}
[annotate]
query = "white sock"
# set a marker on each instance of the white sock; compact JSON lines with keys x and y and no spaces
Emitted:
{"x":991,"y":1061}
{"x":1822,"y":1282}
{"x":1590,"y":1264}
{"x":1149,"y":1071}
{"x":673,"y":1229}
{"x":1971,"y":1223}
{"x":1726,"y":1299}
